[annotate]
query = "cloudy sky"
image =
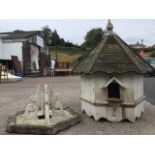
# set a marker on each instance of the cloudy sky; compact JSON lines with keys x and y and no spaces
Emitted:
{"x":74,"y":30}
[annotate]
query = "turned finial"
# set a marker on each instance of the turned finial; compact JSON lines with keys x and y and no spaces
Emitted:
{"x":109,"y":25}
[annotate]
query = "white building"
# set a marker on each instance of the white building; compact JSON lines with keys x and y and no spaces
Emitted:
{"x":138,"y":45}
{"x":112,"y":80}
{"x":27,"y":46}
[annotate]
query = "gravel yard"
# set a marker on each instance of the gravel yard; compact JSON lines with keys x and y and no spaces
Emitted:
{"x":14,"y":97}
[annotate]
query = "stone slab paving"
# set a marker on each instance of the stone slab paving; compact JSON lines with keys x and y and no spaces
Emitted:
{"x":14,"y":98}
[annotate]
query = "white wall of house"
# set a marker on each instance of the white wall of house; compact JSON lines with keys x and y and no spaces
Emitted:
{"x":1,"y":50}
{"x":11,"y":49}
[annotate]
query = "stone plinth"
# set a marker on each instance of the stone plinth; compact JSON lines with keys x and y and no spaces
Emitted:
{"x":55,"y":125}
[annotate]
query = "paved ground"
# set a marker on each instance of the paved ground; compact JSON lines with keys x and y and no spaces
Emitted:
{"x":14,"y":97}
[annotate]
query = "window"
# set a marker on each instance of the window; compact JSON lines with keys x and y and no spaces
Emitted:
{"x":114,"y":90}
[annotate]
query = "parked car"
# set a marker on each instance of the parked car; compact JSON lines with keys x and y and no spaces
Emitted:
{"x":151,"y":61}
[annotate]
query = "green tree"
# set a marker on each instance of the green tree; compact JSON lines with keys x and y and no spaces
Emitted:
{"x":55,"y":39}
{"x":62,"y":42}
{"x":47,"y":33}
{"x":18,"y":30}
{"x":93,"y":37}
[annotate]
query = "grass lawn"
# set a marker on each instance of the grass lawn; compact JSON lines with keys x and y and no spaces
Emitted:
{"x":68,"y":54}
{"x":61,"y":56}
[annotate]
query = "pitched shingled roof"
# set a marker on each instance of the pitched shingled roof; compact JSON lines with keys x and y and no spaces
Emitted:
{"x":112,"y":55}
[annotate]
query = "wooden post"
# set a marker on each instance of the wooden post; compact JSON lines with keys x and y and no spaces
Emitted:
{"x":56,"y":56}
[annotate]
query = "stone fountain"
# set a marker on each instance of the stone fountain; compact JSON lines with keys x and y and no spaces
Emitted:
{"x":44,"y":114}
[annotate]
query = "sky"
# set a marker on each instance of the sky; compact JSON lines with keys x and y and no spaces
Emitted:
{"x":74,"y":30}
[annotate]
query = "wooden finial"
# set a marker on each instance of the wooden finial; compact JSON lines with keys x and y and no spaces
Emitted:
{"x":109,"y":25}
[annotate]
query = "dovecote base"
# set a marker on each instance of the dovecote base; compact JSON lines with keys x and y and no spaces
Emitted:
{"x":113,"y":113}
